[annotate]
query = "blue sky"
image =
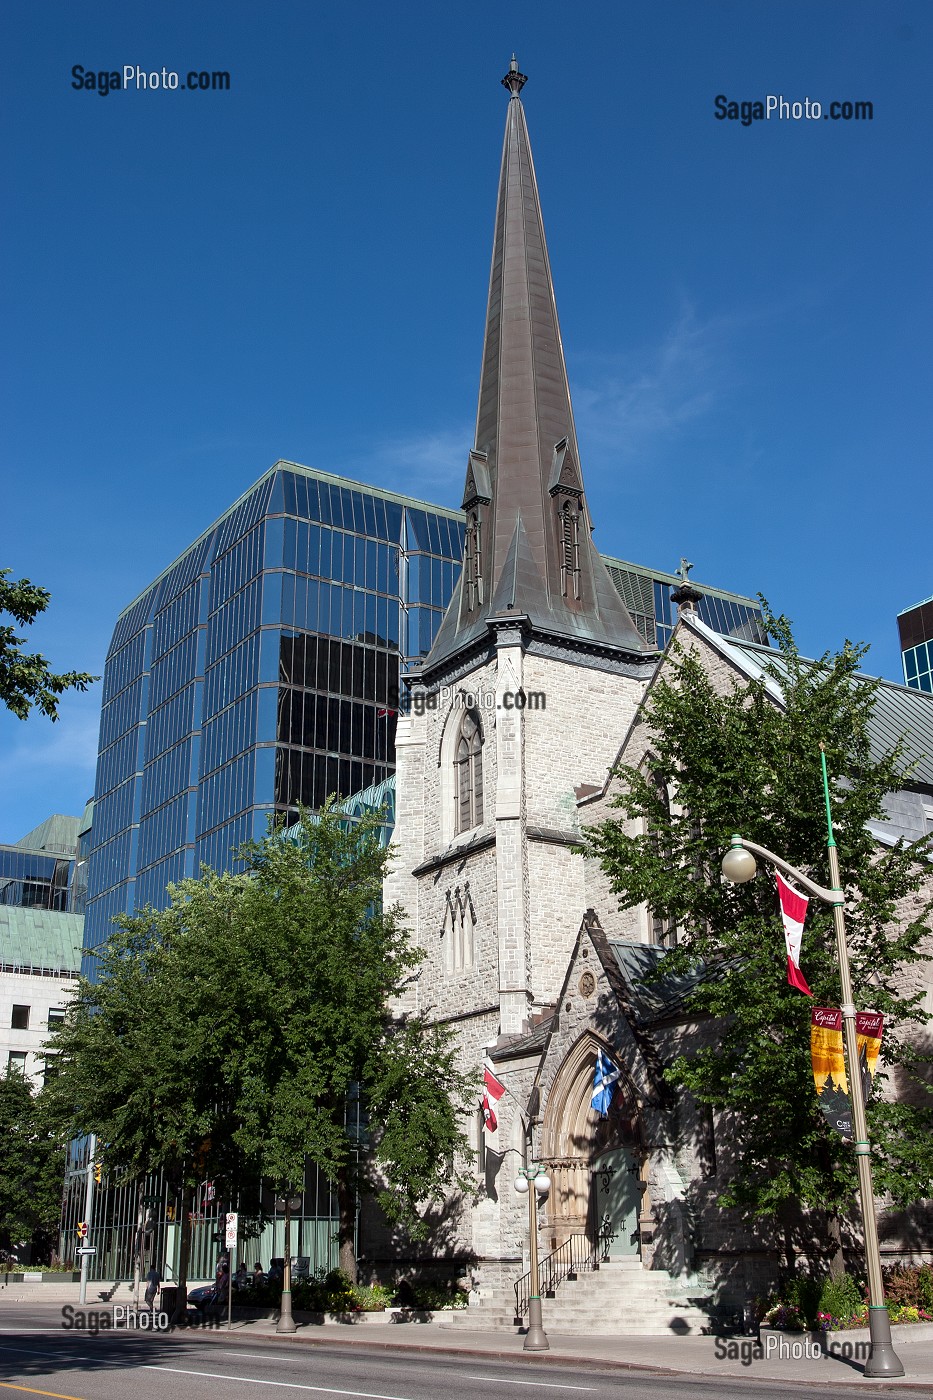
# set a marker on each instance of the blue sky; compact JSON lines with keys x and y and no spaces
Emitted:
{"x":196,"y":284}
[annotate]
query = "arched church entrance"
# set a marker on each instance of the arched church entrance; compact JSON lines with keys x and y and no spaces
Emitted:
{"x":595,"y":1163}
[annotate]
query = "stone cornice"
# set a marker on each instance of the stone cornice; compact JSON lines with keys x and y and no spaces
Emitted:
{"x":454,"y":855}
{"x":556,"y":838}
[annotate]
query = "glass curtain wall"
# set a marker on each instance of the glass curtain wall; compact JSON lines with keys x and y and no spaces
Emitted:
{"x":260,"y":671}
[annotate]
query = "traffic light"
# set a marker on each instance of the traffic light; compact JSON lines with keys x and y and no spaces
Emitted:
{"x":98,"y":1171}
{"x":82,"y":1230}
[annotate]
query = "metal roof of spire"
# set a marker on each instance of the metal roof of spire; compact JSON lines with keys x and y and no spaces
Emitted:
{"x":523,"y":474}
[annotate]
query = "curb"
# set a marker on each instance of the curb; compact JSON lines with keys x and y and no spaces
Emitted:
{"x":590,"y":1362}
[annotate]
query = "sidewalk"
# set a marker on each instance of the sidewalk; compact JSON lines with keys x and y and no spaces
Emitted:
{"x":701,"y":1356}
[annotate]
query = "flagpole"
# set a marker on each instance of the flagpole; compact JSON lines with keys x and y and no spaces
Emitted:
{"x":882,"y":1358}
{"x":738,"y":865}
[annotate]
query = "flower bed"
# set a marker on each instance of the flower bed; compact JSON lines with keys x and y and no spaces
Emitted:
{"x":841,"y":1304}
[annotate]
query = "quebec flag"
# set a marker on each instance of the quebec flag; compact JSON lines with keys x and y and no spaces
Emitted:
{"x":604,"y":1081}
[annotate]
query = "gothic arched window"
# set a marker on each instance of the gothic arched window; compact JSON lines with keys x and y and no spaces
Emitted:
{"x":468,"y":766}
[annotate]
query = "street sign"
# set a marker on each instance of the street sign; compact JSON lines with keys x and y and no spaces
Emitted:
{"x":152,"y":1200}
{"x":87,"y":1249}
{"x":231,"y":1230}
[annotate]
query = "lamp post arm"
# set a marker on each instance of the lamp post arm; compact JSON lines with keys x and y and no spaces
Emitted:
{"x":818,"y":891}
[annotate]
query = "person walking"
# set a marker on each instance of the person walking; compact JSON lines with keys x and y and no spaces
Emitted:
{"x":153,"y":1284}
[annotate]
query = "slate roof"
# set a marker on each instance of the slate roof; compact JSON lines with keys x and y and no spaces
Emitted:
{"x":899,"y":711}
{"x":649,"y":999}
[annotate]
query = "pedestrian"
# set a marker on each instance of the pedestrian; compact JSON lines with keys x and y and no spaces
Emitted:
{"x":258,"y":1272}
{"x":153,"y":1284}
{"x":221,"y":1280}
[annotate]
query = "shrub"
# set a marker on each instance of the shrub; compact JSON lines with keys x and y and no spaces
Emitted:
{"x":803,"y":1293}
{"x":430,"y":1296}
{"x":907,"y":1285}
{"x":374,"y":1298}
{"x":840,"y":1297}
{"x":785,"y":1316}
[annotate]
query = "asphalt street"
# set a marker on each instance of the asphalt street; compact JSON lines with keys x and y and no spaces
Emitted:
{"x":124,"y":1366}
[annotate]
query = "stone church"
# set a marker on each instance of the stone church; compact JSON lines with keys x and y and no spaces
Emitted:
{"x":528,"y":698}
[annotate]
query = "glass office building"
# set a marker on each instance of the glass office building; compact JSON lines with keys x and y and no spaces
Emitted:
{"x":915,"y":627}
{"x":262,"y":668}
{"x":260,"y":671}
{"x":647,"y":595}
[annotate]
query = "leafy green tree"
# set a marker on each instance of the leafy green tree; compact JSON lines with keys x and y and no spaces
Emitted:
{"x":250,"y":1013}
{"x":313,"y":964}
{"x":25,"y":679}
{"x":739,"y":762}
{"x":32,"y":1166}
{"x":137,"y":1063}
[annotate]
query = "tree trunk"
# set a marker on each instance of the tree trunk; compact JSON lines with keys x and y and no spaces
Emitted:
{"x":346,"y":1230}
{"x":785,"y":1217}
{"x":181,"y":1308}
{"x":837,"y":1259}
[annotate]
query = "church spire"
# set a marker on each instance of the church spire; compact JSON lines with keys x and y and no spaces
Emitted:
{"x":528,"y":547}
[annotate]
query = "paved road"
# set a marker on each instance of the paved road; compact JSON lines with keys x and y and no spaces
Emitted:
{"x":120,"y":1366}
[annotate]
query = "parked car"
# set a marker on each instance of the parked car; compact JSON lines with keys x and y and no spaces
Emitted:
{"x":201,"y":1296}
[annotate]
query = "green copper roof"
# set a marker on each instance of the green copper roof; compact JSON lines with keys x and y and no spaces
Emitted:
{"x":41,"y":940}
{"x":58,"y":835}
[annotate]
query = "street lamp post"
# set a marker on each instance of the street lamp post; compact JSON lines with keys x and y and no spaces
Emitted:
{"x":286,"y":1322}
{"x":738,"y":866}
{"x":532,"y":1182}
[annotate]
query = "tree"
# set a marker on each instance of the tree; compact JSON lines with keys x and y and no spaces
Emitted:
{"x":137,"y":1064}
{"x":25,"y":679}
{"x":250,"y":1012}
{"x":741,"y":762}
{"x":32,"y":1167}
{"x":313,"y":963}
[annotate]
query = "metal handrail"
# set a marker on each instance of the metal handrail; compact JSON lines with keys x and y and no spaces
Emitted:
{"x":576,"y":1255}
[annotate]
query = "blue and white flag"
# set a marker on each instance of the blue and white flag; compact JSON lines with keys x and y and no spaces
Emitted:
{"x":604,"y":1081}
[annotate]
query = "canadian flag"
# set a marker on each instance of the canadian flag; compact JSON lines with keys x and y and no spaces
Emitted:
{"x":492,"y":1093}
{"x":793,"y":915}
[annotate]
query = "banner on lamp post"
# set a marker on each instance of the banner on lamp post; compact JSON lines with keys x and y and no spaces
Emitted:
{"x":829,"y":1066}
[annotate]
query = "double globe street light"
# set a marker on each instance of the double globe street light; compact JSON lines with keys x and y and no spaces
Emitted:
{"x":533,"y":1182}
{"x":739,"y":866}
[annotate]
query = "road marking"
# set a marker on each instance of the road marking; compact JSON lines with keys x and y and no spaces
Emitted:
{"x":287,"y":1385}
{"x":541,"y":1385}
{"x":29,"y":1390}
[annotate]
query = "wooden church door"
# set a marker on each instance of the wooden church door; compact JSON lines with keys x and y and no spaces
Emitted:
{"x":615,"y":1196}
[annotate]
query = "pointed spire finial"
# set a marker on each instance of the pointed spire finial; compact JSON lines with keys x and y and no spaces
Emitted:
{"x":514,"y":80}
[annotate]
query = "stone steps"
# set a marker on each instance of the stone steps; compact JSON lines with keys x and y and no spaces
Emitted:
{"x":618,"y":1299}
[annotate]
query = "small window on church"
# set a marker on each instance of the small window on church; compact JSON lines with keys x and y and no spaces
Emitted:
{"x":472,"y":560}
{"x":570,"y":551}
{"x":469,"y":773}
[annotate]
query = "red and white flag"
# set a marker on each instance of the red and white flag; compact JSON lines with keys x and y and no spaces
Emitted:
{"x":492,"y":1093}
{"x":793,"y":915}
